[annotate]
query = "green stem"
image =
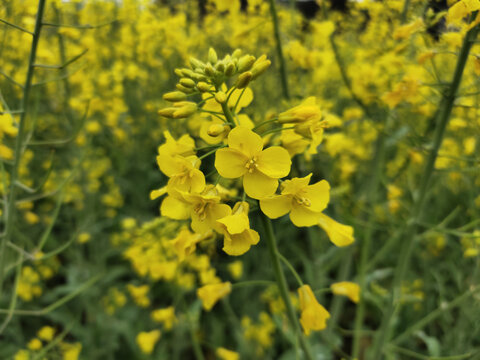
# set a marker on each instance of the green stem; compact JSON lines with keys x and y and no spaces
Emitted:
{"x":445,"y":107}
{"x":10,"y":211}
{"x":283,"y":68}
{"x":291,"y":268}
{"x":406,"y":4}
{"x":282,"y":285}
{"x":228,"y":114}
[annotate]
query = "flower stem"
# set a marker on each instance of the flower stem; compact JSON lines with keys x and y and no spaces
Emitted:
{"x":276,"y":31}
{"x":282,"y":285}
{"x":443,"y":115}
{"x":10,"y":211}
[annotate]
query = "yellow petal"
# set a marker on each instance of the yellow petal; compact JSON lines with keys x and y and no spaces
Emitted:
{"x":230,"y":163}
{"x":210,"y":294}
{"x":245,"y":141}
{"x":155,"y":194}
{"x":245,"y":100}
{"x":239,"y":244}
{"x":274,"y":162}
{"x":236,"y":223}
{"x":174,"y":209}
{"x":258,"y":185}
{"x":319,"y":195}
{"x":276,"y":205}
{"x":301,"y":215}
{"x":339,"y":234}
{"x":348,"y":289}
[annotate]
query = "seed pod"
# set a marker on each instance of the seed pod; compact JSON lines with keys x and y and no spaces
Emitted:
{"x":203,"y":86}
{"x":243,"y":80}
{"x":221,"y":97}
{"x":167,"y":112}
{"x":174,"y":96}
{"x":245,"y":63}
{"x":189,"y":83}
{"x":260,"y":68}
{"x":230,"y":69}
{"x":212,"y":56}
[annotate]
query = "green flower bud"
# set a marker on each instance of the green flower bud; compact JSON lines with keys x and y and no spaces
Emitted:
{"x":189,"y":83}
{"x":237,"y":53}
{"x":245,"y":63}
{"x":184,"y":89}
{"x":221,"y":97}
{"x":167,"y":112}
{"x":230,"y":69}
{"x":220,"y":67}
{"x":209,"y":70}
{"x":212,"y":56}
{"x":243,"y":80}
{"x":195,"y":63}
{"x":260,"y":68}
{"x":186,"y":109}
{"x":203,"y":86}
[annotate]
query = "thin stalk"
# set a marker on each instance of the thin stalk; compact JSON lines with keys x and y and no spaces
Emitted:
{"x":372,"y":195}
{"x":445,"y":107}
{"x":278,"y":41}
{"x":282,"y":285}
{"x":406,"y":4}
{"x":228,"y":114}
{"x":10,"y":211}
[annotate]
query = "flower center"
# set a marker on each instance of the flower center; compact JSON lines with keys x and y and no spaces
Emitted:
{"x":200,"y":210}
{"x":251,"y":164}
{"x":301,"y":200}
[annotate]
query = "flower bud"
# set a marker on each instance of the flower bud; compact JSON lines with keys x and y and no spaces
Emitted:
{"x":245,"y":63}
{"x":203,"y":86}
{"x":216,"y":129}
{"x":259,"y":68}
{"x":184,"y":89}
{"x":212,"y":56}
{"x":220,"y":67}
{"x":237,"y":53}
{"x":174,"y":96}
{"x":187,"y":73}
{"x":178,"y":72}
{"x":189,"y":83}
{"x":221,"y":97}
{"x":195,"y":63}
{"x":230,"y":69}
{"x":209,"y":70}
{"x":243,"y":80}
{"x":186,"y":110}
{"x":167,"y":112}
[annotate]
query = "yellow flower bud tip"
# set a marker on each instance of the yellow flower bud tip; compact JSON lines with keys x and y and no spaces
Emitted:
{"x":245,"y":63}
{"x":221,"y":97}
{"x":174,"y":96}
{"x":244,"y":79}
{"x":260,"y":68}
{"x":216,"y":129}
{"x":212,"y":56}
{"x":203,"y":86}
{"x":237,"y":53}
{"x":184,"y":89}
{"x":189,"y":83}
{"x":167,"y":112}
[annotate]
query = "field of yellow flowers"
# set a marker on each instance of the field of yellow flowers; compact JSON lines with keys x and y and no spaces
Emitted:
{"x":226,"y":179}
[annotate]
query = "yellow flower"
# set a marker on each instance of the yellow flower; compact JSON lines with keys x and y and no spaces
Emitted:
{"x":83,"y":237}
{"x":304,"y":202}
{"x":184,"y":146}
{"x":348,"y":289}
{"x":165,"y":316}
{"x":204,"y":209}
{"x":185,"y":243}
{"x":183,"y":172}
{"x":146,"y":340}
{"x":225,"y":354}
{"x":71,"y":351}
{"x":139,"y":294}
{"x":339,"y":234}
{"x":210,"y":294}
{"x":46,"y":333}
{"x":238,"y":237}
{"x":314,"y":316}
{"x":236,"y":269}
{"x":245,"y":157}
{"x":461,"y":9}
{"x":34,"y":344}
{"x":22,"y":355}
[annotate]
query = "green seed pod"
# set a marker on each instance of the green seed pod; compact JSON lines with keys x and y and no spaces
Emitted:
{"x":237,"y":53}
{"x":167,"y":112}
{"x":189,"y":83}
{"x":243,"y":80}
{"x":245,"y":63}
{"x":221,"y":97}
{"x":230,"y":69}
{"x":203,"y":86}
{"x":260,"y":68}
{"x":212,"y":56}
{"x":174,"y":96}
